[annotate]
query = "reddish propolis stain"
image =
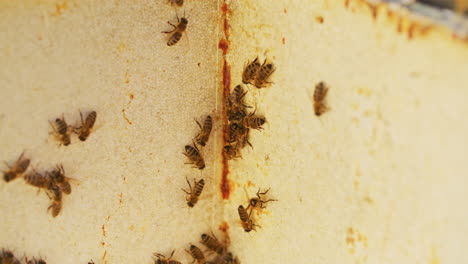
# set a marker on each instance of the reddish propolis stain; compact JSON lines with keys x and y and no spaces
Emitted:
{"x":224,"y":45}
{"x":224,"y":227}
{"x":225,"y":187}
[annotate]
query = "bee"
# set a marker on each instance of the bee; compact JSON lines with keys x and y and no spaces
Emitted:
{"x":236,"y":98}
{"x":58,"y":177}
{"x":177,"y":31}
{"x":320,"y":93}
{"x":193,"y":154}
{"x":61,"y":130}
{"x":56,"y":197}
{"x":163,"y":260}
{"x":205,"y":130}
{"x":91,"y":262}
{"x":178,"y":3}
{"x":212,"y":243}
{"x":230,"y":259}
{"x":243,"y":137}
{"x":35,"y":261}
{"x":250,"y":71}
{"x":247,"y":223}
{"x":18,"y":168}
{"x":258,"y":202}
{"x":263,"y":74}
{"x":254,"y":122}
{"x":38,"y":180}
{"x":85,"y":129}
{"x":194,"y":193}
{"x":233,"y":131}
{"x":196,"y":254}
{"x":236,"y":114}
{"x":231,"y":151}
{"x":7,"y":257}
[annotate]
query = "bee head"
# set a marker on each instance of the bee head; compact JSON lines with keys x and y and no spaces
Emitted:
{"x":8,"y":177}
{"x":184,"y":20}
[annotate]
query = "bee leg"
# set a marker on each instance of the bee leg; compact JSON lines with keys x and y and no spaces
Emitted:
{"x":198,"y":123}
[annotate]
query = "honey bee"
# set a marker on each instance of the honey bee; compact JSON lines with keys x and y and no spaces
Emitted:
{"x":196,"y":254}
{"x":18,"y":168}
{"x":56,"y":197}
{"x":212,"y":243}
{"x":86,"y":126}
{"x":7,"y":257}
{"x":231,"y":151}
{"x":35,"y":261}
{"x":254,"y":122}
{"x":61,"y":130}
{"x":263,"y":74}
{"x":247,"y":223}
{"x":177,"y":31}
{"x":91,"y":262}
{"x":194,"y":193}
{"x":258,"y":202}
{"x":243,"y":137}
{"x":163,"y":260}
{"x":230,"y":259}
{"x":320,"y":93}
{"x":178,"y":3}
{"x":250,"y":71}
{"x":236,"y":98}
{"x":205,"y":130}
{"x":38,"y":180}
{"x":236,"y":114}
{"x":233,"y":131}
{"x":193,"y":154}
{"x":58,"y":177}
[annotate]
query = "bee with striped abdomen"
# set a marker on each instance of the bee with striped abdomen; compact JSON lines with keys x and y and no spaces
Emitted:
{"x":176,"y":33}
{"x":194,"y":193}
{"x":250,"y":71}
{"x":86,"y":125}
{"x":57,"y":175}
{"x":193,"y":154}
{"x":247,"y":222}
{"x":212,"y":243}
{"x":205,"y":130}
{"x":263,"y":75}
{"x":320,"y":93}
{"x":254,"y":122}
{"x":196,"y":254}
{"x":18,"y":168}
{"x":61,"y":130}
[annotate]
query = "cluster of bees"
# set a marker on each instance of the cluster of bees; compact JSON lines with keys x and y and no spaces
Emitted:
{"x":7,"y":257}
{"x":61,"y":130}
{"x":53,"y":181}
{"x":179,"y":28}
{"x":240,"y":121}
{"x":223,"y":256}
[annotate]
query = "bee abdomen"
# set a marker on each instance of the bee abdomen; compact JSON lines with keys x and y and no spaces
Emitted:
{"x":244,"y":217}
{"x":174,"y":38}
